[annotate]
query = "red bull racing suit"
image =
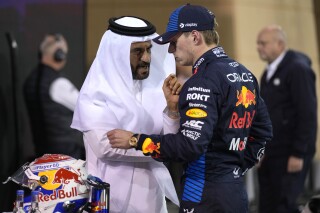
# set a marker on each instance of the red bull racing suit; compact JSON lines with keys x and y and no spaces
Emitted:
{"x":224,"y":127}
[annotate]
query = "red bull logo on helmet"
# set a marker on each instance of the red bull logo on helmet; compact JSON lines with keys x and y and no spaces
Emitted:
{"x":246,"y":97}
{"x":64,"y":176}
{"x":58,"y":177}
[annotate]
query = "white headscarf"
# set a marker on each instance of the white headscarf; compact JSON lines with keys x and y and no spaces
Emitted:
{"x":107,"y":99}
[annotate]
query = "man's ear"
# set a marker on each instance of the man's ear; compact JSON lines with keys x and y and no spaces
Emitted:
{"x":197,"y":37}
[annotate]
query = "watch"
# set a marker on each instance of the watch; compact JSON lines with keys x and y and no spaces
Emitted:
{"x":134,"y":140}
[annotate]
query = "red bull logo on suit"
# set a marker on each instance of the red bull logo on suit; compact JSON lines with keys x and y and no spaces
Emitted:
{"x":246,"y":97}
{"x":149,"y":146}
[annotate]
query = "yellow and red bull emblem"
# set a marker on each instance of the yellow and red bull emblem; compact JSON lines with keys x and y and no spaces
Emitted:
{"x":246,"y":97}
{"x":196,"y":113}
{"x":148,"y":146}
{"x":64,"y":176}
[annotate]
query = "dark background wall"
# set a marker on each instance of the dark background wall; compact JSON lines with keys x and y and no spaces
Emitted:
{"x":28,"y":21}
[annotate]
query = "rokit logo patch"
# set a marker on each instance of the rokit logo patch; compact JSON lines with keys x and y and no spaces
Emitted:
{"x":197,"y":96}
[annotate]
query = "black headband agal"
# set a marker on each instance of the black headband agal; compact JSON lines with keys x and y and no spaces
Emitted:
{"x":131,"y":31}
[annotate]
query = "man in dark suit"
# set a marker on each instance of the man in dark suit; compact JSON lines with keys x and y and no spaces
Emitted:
{"x":288,"y":88}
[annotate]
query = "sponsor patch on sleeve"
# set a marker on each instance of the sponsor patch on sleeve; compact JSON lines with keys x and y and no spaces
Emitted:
{"x":196,"y":113}
{"x":148,"y":147}
{"x":194,"y":135}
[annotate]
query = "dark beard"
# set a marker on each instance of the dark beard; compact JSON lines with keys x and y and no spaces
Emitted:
{"x":135,"y":72}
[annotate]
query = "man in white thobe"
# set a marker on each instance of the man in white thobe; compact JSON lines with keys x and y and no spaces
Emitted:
{"x":123,"y":89}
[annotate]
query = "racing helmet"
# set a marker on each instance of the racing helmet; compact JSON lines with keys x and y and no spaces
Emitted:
{"x":60,"y":180}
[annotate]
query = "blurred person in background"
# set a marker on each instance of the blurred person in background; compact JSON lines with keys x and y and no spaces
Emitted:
{"x":288,"y":88}
{"x":50,"y":99}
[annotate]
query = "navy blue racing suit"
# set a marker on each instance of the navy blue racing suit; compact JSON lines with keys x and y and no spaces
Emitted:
{"x":224,"y":127}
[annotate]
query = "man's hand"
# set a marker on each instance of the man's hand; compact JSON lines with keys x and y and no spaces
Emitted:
{"x":171,"y":89}
{"x":294,"y":164}
{"x":119,"y":138}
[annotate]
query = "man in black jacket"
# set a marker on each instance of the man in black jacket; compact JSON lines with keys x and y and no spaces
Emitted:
{"x":50,"y":99}
{"x":288,"y":88}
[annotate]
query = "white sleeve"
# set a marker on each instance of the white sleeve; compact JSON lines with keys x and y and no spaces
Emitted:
{"x":170,"y":125}
{"x":99,"y":144}
{"x":64,"y":92}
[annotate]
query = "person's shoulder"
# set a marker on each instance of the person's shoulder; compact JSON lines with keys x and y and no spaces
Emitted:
{"x":297,"y":64}
{"x":211,"y":76}
{"x":231,"y":70}
{"x":299,"y":58}
{"x":214,"y":67}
